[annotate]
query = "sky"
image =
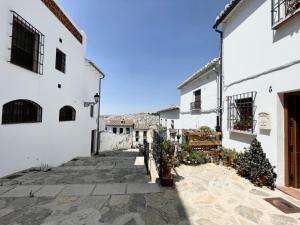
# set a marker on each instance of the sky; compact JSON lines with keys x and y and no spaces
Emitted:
{"x":146,"y":48}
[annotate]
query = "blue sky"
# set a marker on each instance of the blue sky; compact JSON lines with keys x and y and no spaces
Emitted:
{"x":146,"y":47}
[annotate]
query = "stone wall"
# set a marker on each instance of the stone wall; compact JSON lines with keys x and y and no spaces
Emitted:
{"x":110,"y":141}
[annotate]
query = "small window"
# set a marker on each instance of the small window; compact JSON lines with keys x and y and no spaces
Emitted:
{"x":145,"y":134}
{"x":241,"y":112}
{"x":137,"y":136}
{"x":114,"y":130}
{"x":67,"y":113}
{"x":92,"y":111}
{"x":172,"y":124}
{"x":27,"y":47}
{"x":127,"y":130}
{"x":106,"y":128}
{"x":21,"y":111}
{"x":60,"y":61}
{"x":196,"y":105}
{"x":121,"y":130}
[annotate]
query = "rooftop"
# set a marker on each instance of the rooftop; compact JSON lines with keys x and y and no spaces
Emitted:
{"x":119,"y":122}
{"x":172,"y":108}
{"x":200,"y":72}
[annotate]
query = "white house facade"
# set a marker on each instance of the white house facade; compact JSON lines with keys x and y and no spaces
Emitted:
{"x":261,"y":64}
{"x":44,"y":82}
{"x":169,"y":119}
{"x":199,"y":98}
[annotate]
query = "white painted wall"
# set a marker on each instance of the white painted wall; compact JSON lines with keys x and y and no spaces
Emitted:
{"x":49,"y":142}
{"x":166,"y":118}
{"x":207,"y":116}
{"x":252,"y":47}
{"x":111,"y":142}
{"x":149,"y":137}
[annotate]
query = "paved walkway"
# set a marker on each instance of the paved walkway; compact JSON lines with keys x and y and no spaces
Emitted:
{"x":113,"y":190}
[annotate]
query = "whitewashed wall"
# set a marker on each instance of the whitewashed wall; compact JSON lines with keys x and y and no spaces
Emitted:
{"x":111,"y":142}
{"x":166,"y":118}
{"x":49,"y":142}
{"x":209,"y":92}
{"x":251,"y":47}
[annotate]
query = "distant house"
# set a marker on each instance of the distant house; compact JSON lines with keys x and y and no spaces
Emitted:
{"x":141,"y":132}
{"x":44,"y":83}
{"x":169,"y":119}
{"x":261,"y":64}
{"x":199,"y":98}
{"x":119,"y":126}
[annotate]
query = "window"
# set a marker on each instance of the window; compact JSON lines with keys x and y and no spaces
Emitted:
{"x":67,"y":113}
{"x":92,"y":110}
{"x":127,"y":130}
{"x":172,"y":124}
{"x":60,"y":61}
{"x":145,"y":134}
{"x":105,"y":128}
{"x":27,"y":45}
{"x":241,"y":111}
{"x":196,"y":105}
{"x":121,"y":130}
{"x":114,"y":130}
{"x":137,"y":136}
{"x":21,"y":111}
{"x":283,"y":9}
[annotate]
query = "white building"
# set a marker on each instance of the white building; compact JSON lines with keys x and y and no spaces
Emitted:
{"x":141,"y":132}
{"x":199,"y":98}
{"x":169,"y":119}
{"x":119,"y":126}
{"x":44,"y":82}
{"x":261,"y":64}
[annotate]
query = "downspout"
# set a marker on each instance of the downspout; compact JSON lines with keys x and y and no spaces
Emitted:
{"x":98,"y":117}
{"x":220,"y":107}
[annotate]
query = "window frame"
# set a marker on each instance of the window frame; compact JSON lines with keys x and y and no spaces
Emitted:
{"x":21,"y":111}
{"x":62,"y":67}
{"x":18,"y":41}
{"x":280,"y":12}
{"x":241,"y":112}
{"x":67,"y":118}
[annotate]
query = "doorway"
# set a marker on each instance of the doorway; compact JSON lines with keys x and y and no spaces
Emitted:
{"x":93,"y":141}
{"x":292,"y":139}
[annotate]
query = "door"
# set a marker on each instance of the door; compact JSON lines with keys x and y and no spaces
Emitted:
{"x":293,"y":147}
{"x":93,"y":141}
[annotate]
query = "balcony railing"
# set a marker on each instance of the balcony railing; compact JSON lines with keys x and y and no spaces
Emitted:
{"x":282,"y":10}
{"x":196,"y":105}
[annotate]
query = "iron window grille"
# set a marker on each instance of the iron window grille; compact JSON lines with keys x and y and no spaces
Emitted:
{"x":27,"y":45}
{"x":67,"y":113}
{"x":60,"y":63}
{"x":241,"y":111}
{"x":282,"y":9}
{"x":196,"y":105}
{"x":21,"y":111}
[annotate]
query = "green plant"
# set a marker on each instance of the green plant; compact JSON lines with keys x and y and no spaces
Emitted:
{"x":197,"y":158}
{"x":168,"y":158}
{"x":254,"y":166}
{"x":229,"y":156}
{"x":186,"y":147}
{"x":205,"y":129}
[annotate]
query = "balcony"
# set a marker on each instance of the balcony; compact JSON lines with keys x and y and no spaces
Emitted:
{"x":282,"y":10}
{"x":196,"y":105}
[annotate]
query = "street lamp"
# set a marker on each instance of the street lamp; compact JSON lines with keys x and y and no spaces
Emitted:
{"x":96,"y":97}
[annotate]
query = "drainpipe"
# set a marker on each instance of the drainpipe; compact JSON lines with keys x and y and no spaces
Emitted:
{"x":98,"y":117}
{"x":220,"y":107}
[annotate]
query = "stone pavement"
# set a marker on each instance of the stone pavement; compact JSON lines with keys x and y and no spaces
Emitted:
{"x":113,"y":190}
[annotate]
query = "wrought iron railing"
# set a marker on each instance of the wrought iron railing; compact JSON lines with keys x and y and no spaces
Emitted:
{"x":281,"y":9}
{"x":241,"y":112}
{"x":196,"y":105}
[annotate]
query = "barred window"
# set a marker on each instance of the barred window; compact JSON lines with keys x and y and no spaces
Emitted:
{"x":27,"y":48}
{"x":21,"y":111}
{"x":241,"y":112}
{"x":67,"y":113}
{"x":282,"y":9}
{"x":60,"y":63}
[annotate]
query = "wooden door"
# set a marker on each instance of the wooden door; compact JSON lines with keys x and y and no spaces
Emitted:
{"x":293,"y":122}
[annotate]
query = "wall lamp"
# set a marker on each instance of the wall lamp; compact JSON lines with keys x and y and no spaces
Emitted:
{"x":96,"y":97}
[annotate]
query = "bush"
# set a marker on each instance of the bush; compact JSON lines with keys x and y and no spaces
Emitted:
{"x":186,"y":147}
{"x":254,"y":166}
{"x":229,"y":157}
{"x":205,"y":129}
{"x":197,"y":158}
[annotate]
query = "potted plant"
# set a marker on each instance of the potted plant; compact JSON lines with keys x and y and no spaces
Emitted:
{"x":293,"y":5}
{"x":168,"y":162}
{"x":242,"y":125}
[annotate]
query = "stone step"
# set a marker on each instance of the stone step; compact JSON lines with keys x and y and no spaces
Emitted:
{"x":80,"y":190}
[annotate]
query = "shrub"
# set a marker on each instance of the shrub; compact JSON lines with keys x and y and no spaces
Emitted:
{"x":254,"y":166}
{"x":229,"y":157}
{"x":205,"y":129}
{"x":197,"y":158}
{"x":186,"y":147}
{"x":168,"y":158}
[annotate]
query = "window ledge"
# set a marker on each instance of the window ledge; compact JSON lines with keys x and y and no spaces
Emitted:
{"x":283,"y":21}
{"x":243,"y":132}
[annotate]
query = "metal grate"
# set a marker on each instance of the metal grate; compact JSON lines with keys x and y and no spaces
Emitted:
{"x":283,"y":8}
{"x":21,"y":111}
{"x":196,"y":105}
{"x":27,"y":45}
{"x":241,"y":111}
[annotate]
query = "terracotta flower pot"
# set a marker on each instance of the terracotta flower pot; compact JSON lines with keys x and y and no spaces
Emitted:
{"x":167,"y":180}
